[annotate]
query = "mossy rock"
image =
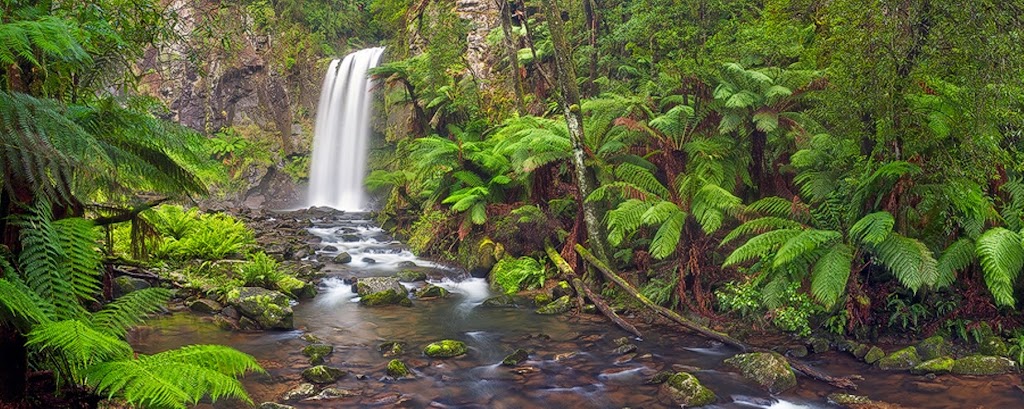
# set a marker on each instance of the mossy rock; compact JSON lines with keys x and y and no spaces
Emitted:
{"x":375,"y":291}
{"x":391,"y":348}
{"x":397,"y":369}
{"x":205,"y":306}
{"x":342,"y":258}
{"x":559,"y":306}
{"x":934,"y":347}
{"x":983,"y":365}
{"x":848,"y":399}
{"x":659,"y":378}
{"x":322,"y":375}
{"x":541,"y":300}
{"x":389,"y":297}
{"x":993,"y":346}
{"x":273,"y":405}
{"x":862,"y":350}
{"x":500,"y":301}
{"x":941,"y":365}
{"x":317,"y":352}
{"x":900,"y":360}
{"x":270,"y":309}
{"x":562,"y":289}
{"x":515,"y":358}
{"x":300,"y":392}
{"x":768,"y":369}
{"x":874,"y":354}
{"x":819,"y":345}
{"x":687,"y":391}
{"x":410,"y":276}
{"x":125,"y":284}
{"x":447,"y":348}
{"x":432,"y":291}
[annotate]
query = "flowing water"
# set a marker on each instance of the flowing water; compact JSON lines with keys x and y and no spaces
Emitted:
{"x":342,"y":133}
{"x":571,"y":362}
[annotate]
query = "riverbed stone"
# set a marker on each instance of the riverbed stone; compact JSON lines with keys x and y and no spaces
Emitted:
{"x":934,"y":347}
{"x":330,"y":248}
{"x":447,"y":348}
{"x":270,"y":309}
{"x":398,"y":369}
{"x":331,"y":393}
{"x":659,"y":378}
{"x":274,"y":405}
{"x":768,"y":369}
{"x":322,"y":375}
{"x":205,"y":306}
{"x":342,"y":258}
{"x":317,"y":352}
{"x":625,"y":349}
{"x":375,"y":291}
{"x":541,"y":300}
{"x":993,"y":346}
{"x":515,"y":358}
{"x":410,"y":276}
{"x":391,"y":348}
{"x":819,"y":345}
{"x":432,"y":291}
{"x":983,"y":365}
{"x":900,"y":360}
{"x":126,"y":284}
{"x":686,"y":390}
{"x":500,"y":301}
{"x":300,"y":392}
{"x":859,"y":402}
{"x":406,"y":264}
{"x":559,"y":306}
{"x":561,"y":289}
{"x":942,"y":365}
{"x":874,"y":354}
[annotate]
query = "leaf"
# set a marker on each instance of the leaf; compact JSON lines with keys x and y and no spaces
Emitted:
{"x":909,"y":260}
{"x":956,"y":257}
{"x":760,"y":225}
{"x":830,"y":274}
{"x":873,"y":228}
{"x":766,"y":121}
{"x":1002,"y":257}
{"x":479,"y":213}
{"x":802,"y":244}
{"x":760,"y":246}
{"x":667,"y":237}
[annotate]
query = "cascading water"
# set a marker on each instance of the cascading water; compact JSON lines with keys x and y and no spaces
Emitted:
{"x":342,"y":133}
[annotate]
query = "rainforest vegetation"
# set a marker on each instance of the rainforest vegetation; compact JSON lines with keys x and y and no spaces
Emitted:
{"x":833,"y":167}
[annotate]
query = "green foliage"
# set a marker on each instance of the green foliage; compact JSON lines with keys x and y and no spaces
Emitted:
{"x":661,"y":291}
{"x":202,"y":236}
{"x":1001,"y":253}
{"x":514,"y":274}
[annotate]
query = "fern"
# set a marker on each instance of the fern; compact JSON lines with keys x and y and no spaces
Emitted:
{"x":667,"y":237}
{"x":873,"y":228}
{"x":760,"y":246}
{"x":44,"y":265}
{"x":830,"y":274}
{"x":1002,"y":257}
{"x":642,"y":178}
{"x":956,"y":257}
{"x":129,"y":310}
{"x":626,"y":218}
{"x":76,"y":345}
{"x":758,"y":226}
{"x":802,"y":244}
{"x":909,"y":260}
{"x":710,"y":205}
{"x":20,"y":305}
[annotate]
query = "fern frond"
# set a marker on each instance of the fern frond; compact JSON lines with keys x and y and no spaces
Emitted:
{"x":625,"y":219}
{"x":130,"y":309}
{"x":43,"y":262}
{"x":830,"y":273}
{"x":659,"y":212}
{"x":873,"y":228}
{"x":909,"y":260}
{"x":642,"y":178}
{"x":760,"y":225}
{"x":668,"y":235}
{"x":710,"y":205}
{"x":80,"y":243}
{"x":956,"y":257}
{"x":1002,"y":257}
{"x":772,"y":206}
{"x":21,"y":306}
{"x":76,"y":344}
{"x":760,"y":246}
{"x":804,"y":243}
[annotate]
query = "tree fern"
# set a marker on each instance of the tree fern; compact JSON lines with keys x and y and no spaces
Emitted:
{"x":1002,"y":257}
{"x":20,"y":305}
{"x":760,"y":246}
{"x":760,"y":225}
{"x":909,"y":260}
{"x":667,"y":237}
{"x":641,"y":178}
{"x":626,"y":218}
{"x":75,"y":345}
{"x":129,"y":310}
{"x":802,"y":244}
{"x":873,"y":228}
{"x":710,"y":205}
{"x":830,"y":274}
{"x":44,"y":265}
{"x":958,"y":256}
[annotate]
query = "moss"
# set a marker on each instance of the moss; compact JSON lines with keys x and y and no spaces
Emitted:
{"x":391,"y":348}
{"x":389,"y":297}
{"x":847,"y":399}
{"x":271,"y":309}
{"x":562,"y":288}
{"x":993,"y":346}
{"x":934,"y":347}
{"x":317,"y":352}
{"x":559,"y":306}
{"x":321,"y":374}
{"x":688,"y":391}
{"x":768,"y":369}
{"x":541,"y":300}
{"x":942,"y":365}
{"x":397,"y":369}
{"x":500,"y":301}
{"x":515,"y":358}
{"x":432,"y":291}
{"x":903,"y":359}
{"x":861,"y":351}
{"x":873,"y":355}
{"x":819,"y":345}
{"x":290,"y":285}
{"x":445,"y":349}
{"x":411,"y":276}
{"x":983,"y":365}
{"x":511,"y":275}
{"x":659,"y":378}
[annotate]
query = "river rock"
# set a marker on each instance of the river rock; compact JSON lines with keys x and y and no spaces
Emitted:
{"x":397,"y":369}
{"x":270,"y":309}
{"x":445,"y":349}
{"x":659,"y":378}
{"x":349,"y":238}
{"x":903,"y":359}
{"x":406,"y":264}
{"x":942,"y":365}
{"x":332,"y":393}
{"x":874,"y":354}
{"x":322,"y":375}
{"x":300,"y":392}
{"x":231,"y":312}
{"x":819,"y":345}
{"x":381,"y":291}
{"x":431,"y":291}
{"x":342,"y":258}
{"x":274,"y":405}
{"x":317,"y":352}
{"x":391,"y":348}
{"x":625,"y":349}
{"x":768,"y":369}
{"x":409,"y":276}
{"x":368,"y":260}
{"x":859,"y":402}
{"x":126,"y":284}
{"x":559,"y":306}
{"x":934,"y":347}
{"x":515,"y":358}
{"x":205,"y":306}
{"x":983,"y":365}
{"x":500,"y":301}
{"x":686,"y":390}
{"x":993,"y":346}
{"x":330,"y":249}
{"x":561,"y":289}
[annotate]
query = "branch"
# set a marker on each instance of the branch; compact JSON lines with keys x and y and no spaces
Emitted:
{"x":127,"y":215}
{"x":583,"y":289}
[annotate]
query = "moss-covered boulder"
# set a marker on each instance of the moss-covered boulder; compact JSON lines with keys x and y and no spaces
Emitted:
{"x":561,"y":289}
{"x":431,"y":291}
{"x":901,"y":360}
{"x":374,"y":291}
{"x":819,"y":345}
{"x":768,"y":369}
{"x":934,"y":347}
{"x":295,"y":287}
{"x":941,"y":365}
{"x":205,"y":306}
{"x":322,"y":375}
{"x":687,"y":391}
{"x":515,"y":358}
{"x":397,"y":369}
{"x":874,"y":354}
{"x":993,"y":346}
{"x":300,"y":392}
{"x":410,"y":276}
{"x":541,"y":300}
{"x":559,"y":306}
{"x":983,"y":365}
{"x":125,"y":284}
{"x":659,"y":378}
{"x":859,"y":402}
{"x":862,"y":350}
{"x":317,"y":352}
{"x":391,"y":348}
{"x":273,"y":405}
{"x":500,"y":301}
{"x":447,"y":348}
{"x":270,"y":309}
{"x":342,"y":258}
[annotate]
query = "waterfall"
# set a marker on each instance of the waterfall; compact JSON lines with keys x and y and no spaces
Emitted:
{"x":342,"y":133}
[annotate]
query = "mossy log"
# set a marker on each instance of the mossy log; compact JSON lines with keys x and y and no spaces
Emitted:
{"x":582,"y":288}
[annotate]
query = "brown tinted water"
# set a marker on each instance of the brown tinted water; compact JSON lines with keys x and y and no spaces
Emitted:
{"x":571,"y":362}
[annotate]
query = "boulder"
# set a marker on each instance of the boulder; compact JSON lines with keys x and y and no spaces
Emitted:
{"x":768,"y":369}
{"x":322,"y":375}
{"x":445,"y":349}
{"x":375,"y":291}
{"x":300,"y":392}
{"x":270,"y":309}
{"x":231,"y":312}
{"x":515,"y":358}
{"x":942,"y":365}
{"x":406,"y":264}
{"x":934,"y":347}
{"x":332,"y":393}
{"x":409,"y":276}
{"x":431,"y":291}
{"x":397,"y":369}
{"x":368,"y":260}
{"x":659,"y":378}
{"x":273,"y":405}
{"x":625,"y":349}
{"x":330,"y":248}
{"x":562,"y":289}
{"x":342,"y":258}
{"x":687,"y":391}
{"x":983,"y":365}
{"x":205,"y":306}
{"x":541,"y":300}
{"x":903,"y":359}
{"x":559,"y":306}
{"x":391,"y":348}
{"x":500,"y":301}
{"x":859,"y":402}
{"x":819,"y":345}
{"x":317,"y":352}
{"x":873,"y":355}
{"x":993,"y":346}
{"x":126,"y":284}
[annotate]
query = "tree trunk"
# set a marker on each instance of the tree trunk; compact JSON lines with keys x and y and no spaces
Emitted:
{"x":569,"y":99}
{"x":15,"y":365}
{"x":590,"y":11}
{"x":758,"y":140}
{"x":513,"y":55}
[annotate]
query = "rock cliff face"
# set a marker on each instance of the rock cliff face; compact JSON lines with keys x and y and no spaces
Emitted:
{"x":482,"y":16}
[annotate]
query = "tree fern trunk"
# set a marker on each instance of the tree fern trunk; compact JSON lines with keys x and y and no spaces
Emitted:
{"x":758,"y":140}
{"x":15,"y":367}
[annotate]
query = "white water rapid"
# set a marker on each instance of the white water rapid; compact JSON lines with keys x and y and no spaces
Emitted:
{"x":342,"y":133}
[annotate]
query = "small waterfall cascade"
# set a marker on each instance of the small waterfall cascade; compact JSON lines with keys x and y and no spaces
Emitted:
{"x":342,"y":133}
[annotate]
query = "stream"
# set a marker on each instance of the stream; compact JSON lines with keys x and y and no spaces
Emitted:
{"x":571,"y":362}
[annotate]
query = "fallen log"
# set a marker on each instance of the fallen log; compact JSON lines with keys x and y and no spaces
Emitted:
{"x":582,"y":289}
{"x":844,"y":382}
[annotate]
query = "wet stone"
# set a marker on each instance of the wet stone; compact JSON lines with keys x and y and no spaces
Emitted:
{"x":625,"y":349}
{"x":205,"y":306}
{"x":391,"y":348}
{"x":397,"y":369}
{"x":332,"y":393}
{"x":500,"y":301}
{"x":274,"y":405}
{"x":515,"y":358}
{"x":342,"y":258}
{"x":330,"y":248}
{"x":659,"y":378}
{"x":321,"y":374}
{"x":317,"y":352}
{"x":300,"y":392}
{"x":559,"y":306}
{"x":768,"y":369}
{"x":368,"y":260}
{"x":447,"y":348}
